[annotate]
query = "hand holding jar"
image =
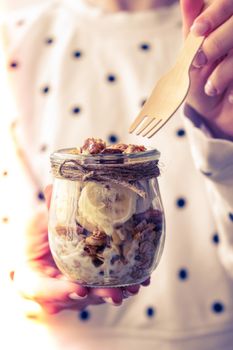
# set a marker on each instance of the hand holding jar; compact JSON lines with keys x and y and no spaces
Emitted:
{"x":137,"y":214}
{"x":39,"y":279}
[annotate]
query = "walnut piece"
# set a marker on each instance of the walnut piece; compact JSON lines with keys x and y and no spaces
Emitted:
{"x":93,"y":146}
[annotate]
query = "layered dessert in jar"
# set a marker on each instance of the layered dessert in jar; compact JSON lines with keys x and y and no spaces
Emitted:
{"x":106,"y":222}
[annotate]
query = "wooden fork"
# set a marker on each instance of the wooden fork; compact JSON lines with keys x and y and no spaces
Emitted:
{"x":169,"y":92}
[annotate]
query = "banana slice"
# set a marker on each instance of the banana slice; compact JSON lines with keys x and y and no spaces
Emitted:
{"x":104,"y":205}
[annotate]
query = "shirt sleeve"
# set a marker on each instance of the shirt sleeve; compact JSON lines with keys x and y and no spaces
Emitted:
{"x":214,"y":160}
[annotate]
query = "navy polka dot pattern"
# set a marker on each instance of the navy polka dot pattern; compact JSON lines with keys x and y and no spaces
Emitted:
{"x":43,"y":148}
{"x":49,"y":41}
{"x":111,"y":78}
{"x":145,"y":46}
{"x":20,"y":22}
{"x":45,"y":89}
{"x":40,"y":196}
{"x":183,"y":274}
{"x":231,"y":216}
{"x":77,"y":54}
{"x":84,"y":315}
{"x":206,"y":173}
{"x":180,"y":133}
{"x":150,"y":311}
{"x":142,"y":102}
{"x":181,"y":202}
{"x":215,"y":238}
{"x":13,"y":64}
{"x":112,"y":139}
{"x":217,"y":307}
{"x":76,"y":110}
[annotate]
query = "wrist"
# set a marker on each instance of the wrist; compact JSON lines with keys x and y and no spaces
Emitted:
{"x":200,"y":121}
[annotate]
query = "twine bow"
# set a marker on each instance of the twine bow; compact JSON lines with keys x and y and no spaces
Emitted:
{"x":123,"y":174}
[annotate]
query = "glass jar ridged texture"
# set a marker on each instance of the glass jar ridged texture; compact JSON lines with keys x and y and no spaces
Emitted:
{"x":106,"y":219}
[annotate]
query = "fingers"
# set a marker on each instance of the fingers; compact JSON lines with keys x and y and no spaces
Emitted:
{"x":38,"y":287}
{"x":133,"y":289}
{"x":115,"y":296}
{"x":228,"y":97}
{"x":146,"y":282}
{"x":211,"y":18}
{"x":75,"y":305}
{"x":48,"y":194}
{"x":109,"y":295}
{"x":221,"y":77}
{"x":219,"y":42}
{"x":190,"y":10}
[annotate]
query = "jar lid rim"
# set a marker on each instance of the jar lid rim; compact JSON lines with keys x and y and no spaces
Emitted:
{"x":64,"y":154}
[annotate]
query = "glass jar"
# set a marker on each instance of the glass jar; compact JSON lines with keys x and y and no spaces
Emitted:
{"x":106,"y":220}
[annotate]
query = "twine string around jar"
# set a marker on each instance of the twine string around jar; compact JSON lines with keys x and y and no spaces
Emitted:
{"x":123,"y":174}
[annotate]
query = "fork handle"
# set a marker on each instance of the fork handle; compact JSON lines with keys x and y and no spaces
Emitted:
{"x":190,"y":48}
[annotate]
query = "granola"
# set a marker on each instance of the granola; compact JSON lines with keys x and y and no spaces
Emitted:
{"x":93,"y":146}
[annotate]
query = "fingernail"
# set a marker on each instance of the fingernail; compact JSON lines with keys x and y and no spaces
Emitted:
{"x":110,"y":301}
{"x":210,"y":90}
{"x":230,"y":97}
{"x":200,"y":59}
{"x":146,"y":283}
{"x":133,"y":289}
{"x":75,"y":296}
{"x":200,"y":28}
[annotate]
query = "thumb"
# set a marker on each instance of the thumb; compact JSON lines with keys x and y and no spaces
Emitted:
{"x":190,"y":10}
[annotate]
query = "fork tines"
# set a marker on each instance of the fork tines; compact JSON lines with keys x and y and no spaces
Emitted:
{"x":146,"y":125}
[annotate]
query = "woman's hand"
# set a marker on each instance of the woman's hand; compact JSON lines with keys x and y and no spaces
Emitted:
{"x":211,"y":91}
{"x":39,"y":279}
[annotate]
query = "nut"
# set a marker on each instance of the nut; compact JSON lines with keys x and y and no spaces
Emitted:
{"x":120,"y":146}
{"x":114,"y":149}
{"x":97,"y":239}
{"x":93,"y":146}
{"x":111,"y":150}
{"x":134,"y":149}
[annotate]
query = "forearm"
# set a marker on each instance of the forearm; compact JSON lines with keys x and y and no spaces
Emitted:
{"x":198,"y":120}
{"x":213,"y":157}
